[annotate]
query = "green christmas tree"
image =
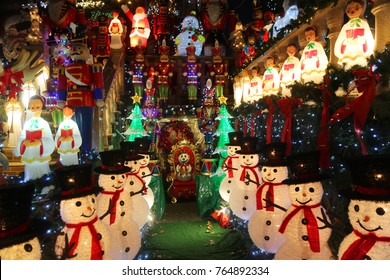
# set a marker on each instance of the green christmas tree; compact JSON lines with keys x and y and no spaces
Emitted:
{"x":223,"y":129}
{"x":136,"y":128}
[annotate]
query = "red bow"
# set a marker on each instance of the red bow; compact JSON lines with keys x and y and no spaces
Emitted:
{"x":366,"y":81}
{"x":7,"y":83}
{"x":312,"y":225}
{"x":96,"y":248}
{"x":323,"y":139}
{"x":287,"y":106}
{"x":270,"y":193}
{"x":269,"y":119}
{"x":359,"y":248}
{"x":246,"y":169}
{"x":114,"y":200}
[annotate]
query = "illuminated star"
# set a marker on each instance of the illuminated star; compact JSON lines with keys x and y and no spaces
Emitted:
{"x":222,"y":99}
{"x":136,"y":99}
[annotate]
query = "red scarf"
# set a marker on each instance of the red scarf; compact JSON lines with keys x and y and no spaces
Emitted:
{"x":259,"y":199}
{"x":245,"y":170}
{"x":228,"y":162}
{"x":359,"y":248}
{"x":114,"y":200}
{"x":96,"y":248}
{"x":312,"y":226}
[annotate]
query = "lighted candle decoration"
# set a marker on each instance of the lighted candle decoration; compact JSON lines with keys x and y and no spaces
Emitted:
{"x":246,"y":86}
{"x":116,"y":29}
{"x":140,"y":25}
{"x":291,"y":70}
{"x":313,"y":60}
{"x":68,"y":138}
{"x":255,"y":89}
{"x":35,"y":144}
{"x":355,"y":42}
{"x":270,"y":82}
{"x":237,"y":89}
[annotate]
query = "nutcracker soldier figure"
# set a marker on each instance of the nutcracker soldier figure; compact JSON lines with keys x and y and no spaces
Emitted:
{"x":219,"y":70}
{"x":192,"y":72}
{"x":163,"y":25}
{"x":81,"y":85}
{"x":138,"y":69}
{"x":163,"y":71}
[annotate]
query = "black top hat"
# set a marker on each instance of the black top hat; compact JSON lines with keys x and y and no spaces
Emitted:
{"x":249,"y":145}
{"x":370,"y":177}
{"x":75,"y":181}
{"x":143,"y":145}
{"x":235,"y":138}
{"x":15,"y":215}
{"x":304,"y":168}
{"x":112,"y":163}
{"x":274,"y":154}
{"x":130,"y":151}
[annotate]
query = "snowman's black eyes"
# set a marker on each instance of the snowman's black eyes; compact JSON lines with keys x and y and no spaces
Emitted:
{"x":380,"y":211}
{"x":135,"y":162}
{"x":356,"y":208}
{"x":264,"y":169}
{"x":311,"y":190}
{"x":112,"y":177}
{"x":235,"y":149}
{"x":93,"y":200}
{"x":243,"y":157}
{"x":251,"y":157}
{"x":126,"y":162}
{"x":123,"y":176}
{"x":275,"y":170}
{"x":78,"y":203}
{"x":297,"y":189}
{"x":28,"y":248}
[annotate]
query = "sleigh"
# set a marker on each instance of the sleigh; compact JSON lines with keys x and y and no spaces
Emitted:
{"x":184,"y":161}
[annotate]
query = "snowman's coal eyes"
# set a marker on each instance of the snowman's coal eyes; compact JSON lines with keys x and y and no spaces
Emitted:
{"x":356,"y":208}
{"x":93,"y":200}
{"x":275,"y":170}
{"x":78,"y":203}
{"x":380,"y":211}
{"x":264,"y":169}
{"x":235,"y":149}
{"x":135,"y":162}
{"x":112,"y":177}
{"x":297,"y":189}
{"x":311,"y":190}
{"x":123,"y":176}
{"x":243,"y":157}
{"x":28,"y":248}
{"x":252,"y":157}
{"x":126,"y":162}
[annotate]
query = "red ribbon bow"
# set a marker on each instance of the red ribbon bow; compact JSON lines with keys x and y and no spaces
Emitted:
{"x":312,"y":225}
{"x":366,"y":82}
{"x":360,"y":247}
{"x":270,"y":193}
{"x":7,"y":82}
{"x":114,"y":200}
{"x":96,"y":248}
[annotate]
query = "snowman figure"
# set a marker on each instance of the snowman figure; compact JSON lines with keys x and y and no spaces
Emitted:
{"x":115,"y":206}
{"x":183,"y":167}
{"x":135,"y":185}
{"x":306,"y":235}
{"x":18,"y":233}
{"x":84,"y":236}
{"x":230,"y":165}
{"x":190,"y":34}
{"x":368,"y":210}
{"x":143,"y":145}
{"x":242,"y":199}
{"x":263,"y":226}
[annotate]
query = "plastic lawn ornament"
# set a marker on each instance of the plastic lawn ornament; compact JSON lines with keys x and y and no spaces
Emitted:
{"x":270,"y":82}
{"x":290,"y":71}
{"x":35,"y":144}
{"x":115,"y":29}
{"x":291,"y":13}
{"x":190,"y":34}
{"x":115,"y":206}
{"x":256,"y":89}
{"x":246,"y":86}
{"x":68,"y":139}
{"x":164,"y":72}
{"x":191,"y":71}
{"x":140,"y":28}
{"x":237,"y":91}
{"x":14,"y":110}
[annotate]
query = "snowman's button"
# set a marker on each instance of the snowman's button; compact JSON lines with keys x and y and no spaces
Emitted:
{"x":266,"y":237}
{"x":122,"y":214}
{"x":304,"y":221}
{"x":228,"y":191}
{"x":268,"y":223}
{"x":229,"y":181}
{"x":143,"y":173}
{"x":131,"y":182}
{"x":127,"y":249}
{"x":99,"y":236}
{"x":247,"y":183}
{"x":305,"y":237}
{"x":246,"y":197}
{"x":124,"y":233}
{"x":243,"y":208}
{"x":121,"y":203}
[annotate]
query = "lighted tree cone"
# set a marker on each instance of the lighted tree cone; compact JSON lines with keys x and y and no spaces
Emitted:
{"x":84,"y":236}
{"x":263,"y":226}
{"x":115,"y":207}
{"x":368,"y":210}
{"x":230,"y":165}
{"x":68,"y":139}
{"x":304,"y":224}
{"x":14,"y":110}
{"x":242,"y":199}
{"x":35,"y":144}
{"x":313,"y":60}
{"x":136,"y":128}
{"x":355,"y":42}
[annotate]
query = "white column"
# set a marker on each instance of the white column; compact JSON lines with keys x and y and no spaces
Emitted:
{"x":381,"y":11}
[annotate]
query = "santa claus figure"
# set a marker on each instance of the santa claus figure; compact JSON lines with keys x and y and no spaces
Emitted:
{"x":140,"y":25}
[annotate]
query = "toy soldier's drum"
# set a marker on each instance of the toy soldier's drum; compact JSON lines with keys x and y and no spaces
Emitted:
{"x":209,"y":166}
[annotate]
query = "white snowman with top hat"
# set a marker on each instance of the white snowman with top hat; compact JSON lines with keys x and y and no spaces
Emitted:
{"x":242,"y":199}
{"x":368,"y":210}
{"x":84,"y":236}
{"x":19,"y":233}
{"x":304,"y":224}
{"x":230,"y":165}
{"x":263,"y":226}
{"x":135,"y":185}
{"x":115,"y":206}
{"x":190,"y":34}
